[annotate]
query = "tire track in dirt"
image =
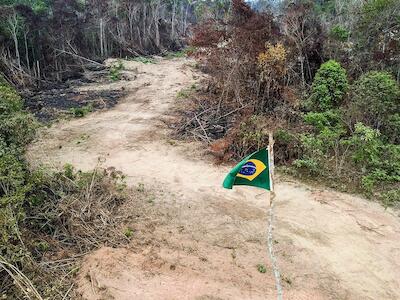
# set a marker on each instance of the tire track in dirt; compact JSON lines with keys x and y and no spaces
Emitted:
{"x":208,"y":241}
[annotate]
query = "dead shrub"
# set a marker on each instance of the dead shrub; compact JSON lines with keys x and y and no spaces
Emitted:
{"x":80,"y":209}
{"x":70,"y":213}
{"x":246,"y":95}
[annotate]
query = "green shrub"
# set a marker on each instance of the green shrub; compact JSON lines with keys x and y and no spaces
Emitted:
{"x":17,"y":129}
{"x":323,"y":120}
{"x":115,"y":70}
{"x":323,"y":148}
{"x":177,"y":54}
{"x":339,"y":33}
{"x":80,"y":112}
{"x":362,"y":158}
{"x":391,"y":198}
{"x":261,"y":268}
{"x":376,"y":102}
{"x":128,"y":232}
{"x":329,"y":86}
{"x":10,"y":101}
{"x":372,"y":11}
{"x":378,"y":162}
{"x":183,"y":94}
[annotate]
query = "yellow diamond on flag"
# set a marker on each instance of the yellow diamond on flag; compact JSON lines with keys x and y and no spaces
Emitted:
{"x":251,"y":169}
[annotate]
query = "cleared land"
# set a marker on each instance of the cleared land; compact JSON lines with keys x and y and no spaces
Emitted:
{"x":202,"y":242}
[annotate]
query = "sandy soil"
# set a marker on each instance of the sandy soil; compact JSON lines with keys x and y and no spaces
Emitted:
{"x":206,"y":242}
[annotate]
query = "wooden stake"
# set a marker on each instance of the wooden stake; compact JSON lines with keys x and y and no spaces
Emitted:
{"x":271,"y":218}
{"x":271,"y":163}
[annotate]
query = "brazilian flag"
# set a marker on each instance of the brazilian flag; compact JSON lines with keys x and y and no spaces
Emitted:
{"x":254,"y":170}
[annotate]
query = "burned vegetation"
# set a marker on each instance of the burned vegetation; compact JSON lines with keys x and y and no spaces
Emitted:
{"x":303,"y":76}
{"x":247,"y":92}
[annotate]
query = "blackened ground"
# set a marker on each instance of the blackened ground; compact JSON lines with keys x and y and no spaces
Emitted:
{"x":54,"y":100}
{"x":50,"y":104}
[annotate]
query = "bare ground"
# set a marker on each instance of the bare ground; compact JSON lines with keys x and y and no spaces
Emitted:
{"x":199,"y":241}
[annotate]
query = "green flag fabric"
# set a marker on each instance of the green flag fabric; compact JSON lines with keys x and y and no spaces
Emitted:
{"x":254,"y":170}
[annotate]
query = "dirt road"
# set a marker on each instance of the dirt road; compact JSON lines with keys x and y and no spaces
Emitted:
{"x":208,"y":241}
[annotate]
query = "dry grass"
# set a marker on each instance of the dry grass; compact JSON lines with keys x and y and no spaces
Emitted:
{"x":78,"y":212}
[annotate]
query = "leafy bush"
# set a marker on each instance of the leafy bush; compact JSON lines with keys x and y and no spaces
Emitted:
{"x":80,"y":112}
{"x":377,"y":161}
{"x":323,"y":149}
{"x":339,"y":33}
{"x":115,"y":71}
{"x":362,"y":158}
{"x":261,"y":268}
{"x":329,"y":86}
{"x":391,"y":198}
{"x":10,"y":100}
{"x":323,"y":120}
{"x":376,"y":102}
{"x":17,"y":128}
{"x":177,"y":54}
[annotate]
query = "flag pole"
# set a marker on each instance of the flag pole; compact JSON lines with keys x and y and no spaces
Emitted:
{"x":271,"y":218}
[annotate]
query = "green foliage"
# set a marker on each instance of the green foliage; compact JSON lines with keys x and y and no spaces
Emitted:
{"x":378,"y":162}
{"x":186,"y":92}
{"x":358,"y":154}
{"x":323,"y":120}
{"x":339,"y":33}
{"x":325,"y":140}
{"x":362,"y":157}
{"x":182,"y":94}
{"x":177,"y":54}
{"x":372,"y":10}
{"x":80,"y":112}
{"x":376,"y":101}
{"x":376,"y":36}
{"x":144,"y":60}
{"x":140,"y":188}
{"x":325,"y":7}
{"x":391,"y":198}
{"x":69,"y":171}
{"x":287,"y":146}
{"x":329,"y":86}
{"x":10,"y":100}
{"x":261,"y":268}
{"x":128,"y":232}
{"x":42,"y":246}
{"x":17,"y":128}
{"x":115,"y":70}
{"x":283,"y":136}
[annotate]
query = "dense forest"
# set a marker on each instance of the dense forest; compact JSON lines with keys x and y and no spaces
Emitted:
{"x":322,"y":75}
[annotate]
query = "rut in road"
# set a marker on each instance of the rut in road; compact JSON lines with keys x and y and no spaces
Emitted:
{"x":207,"y":242}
